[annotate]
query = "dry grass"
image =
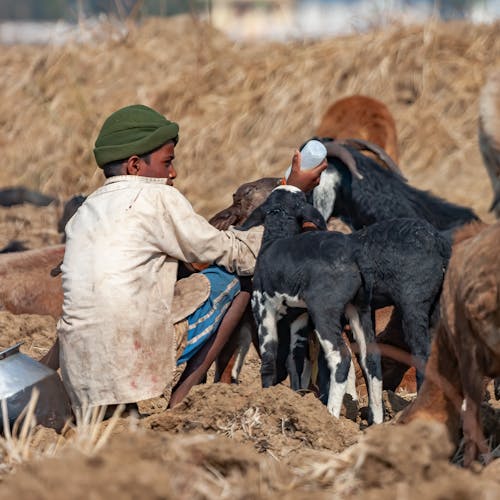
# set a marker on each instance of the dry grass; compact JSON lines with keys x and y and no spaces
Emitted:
{"x":16,"y":444}
{"x":242,"y":109}
{"x":88,"y":436}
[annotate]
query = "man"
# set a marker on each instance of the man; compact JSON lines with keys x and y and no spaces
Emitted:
{"x":120,"y":267}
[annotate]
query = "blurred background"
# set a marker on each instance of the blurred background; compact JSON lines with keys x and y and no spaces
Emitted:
{"x":247,"y":80}
{"x":35,"y":21}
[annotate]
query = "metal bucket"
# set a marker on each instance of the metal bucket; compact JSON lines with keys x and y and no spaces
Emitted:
{"x":19,"y":375}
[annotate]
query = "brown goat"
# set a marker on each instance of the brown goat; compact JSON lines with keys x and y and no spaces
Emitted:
{"x":489,"y":135}
{"x":466,"y":345}
{"x":27,"y":286}
{"x":361,"y":117}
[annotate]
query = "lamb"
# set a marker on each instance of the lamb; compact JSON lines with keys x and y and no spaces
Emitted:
{"x":361,"y":117}
{"x":466,"y":344}
{"x":489,"y":135}
{"x":399,"y":262}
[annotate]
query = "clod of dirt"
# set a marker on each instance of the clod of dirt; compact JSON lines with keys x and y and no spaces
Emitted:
{"x":409,"y":461}
{"x":275,"y":420}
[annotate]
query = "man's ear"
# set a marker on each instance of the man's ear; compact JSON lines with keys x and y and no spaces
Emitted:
{"x":132,"y":165}
{"x":311,"y":215}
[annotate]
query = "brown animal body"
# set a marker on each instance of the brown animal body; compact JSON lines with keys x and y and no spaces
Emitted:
{"x":26,"y":286}
{"x":466,"y":345}
{"x":361,"y":117}
{"x":489,"y":135}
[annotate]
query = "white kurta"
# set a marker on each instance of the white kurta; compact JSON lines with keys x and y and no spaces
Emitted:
{"x":119,"y":271}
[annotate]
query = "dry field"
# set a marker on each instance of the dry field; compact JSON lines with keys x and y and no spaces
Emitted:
{"x":242,"y":111}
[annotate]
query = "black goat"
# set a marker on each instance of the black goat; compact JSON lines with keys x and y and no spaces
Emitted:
{"x":380,"y":195}
{"x":397,"y":262}
{"x":70,"y":208}
{"x":19,"y":195}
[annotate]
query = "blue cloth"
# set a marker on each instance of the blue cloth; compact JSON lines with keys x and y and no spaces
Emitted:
{"x":205,"y":321}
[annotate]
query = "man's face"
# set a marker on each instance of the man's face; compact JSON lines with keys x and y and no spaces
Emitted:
{"x":161,"y":164}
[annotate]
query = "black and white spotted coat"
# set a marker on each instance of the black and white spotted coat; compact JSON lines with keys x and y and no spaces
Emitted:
{"x":399,"y":262}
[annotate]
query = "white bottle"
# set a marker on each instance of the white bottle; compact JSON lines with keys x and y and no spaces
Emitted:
{"x":311,"y":155}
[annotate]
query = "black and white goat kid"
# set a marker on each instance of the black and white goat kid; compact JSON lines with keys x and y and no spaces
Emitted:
{"x":332,"y":275}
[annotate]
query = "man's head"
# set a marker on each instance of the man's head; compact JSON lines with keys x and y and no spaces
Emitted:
{"x":137,"y":140}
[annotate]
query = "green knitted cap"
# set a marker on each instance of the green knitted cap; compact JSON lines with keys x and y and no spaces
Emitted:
{"x":133,"y":130}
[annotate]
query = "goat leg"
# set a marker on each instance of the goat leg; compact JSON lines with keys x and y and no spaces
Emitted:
{"x":362,"y":327}
{"x":230,"y":361}
{"x":336,"y":354}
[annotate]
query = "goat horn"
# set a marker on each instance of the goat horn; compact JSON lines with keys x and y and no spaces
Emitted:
{"x":335,"y":149}
{"x":363,"y":145}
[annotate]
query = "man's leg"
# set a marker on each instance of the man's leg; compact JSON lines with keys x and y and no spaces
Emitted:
{"x":198,"y":365}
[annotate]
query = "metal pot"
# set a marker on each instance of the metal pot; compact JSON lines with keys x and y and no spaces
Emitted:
{"x":19,"y":374}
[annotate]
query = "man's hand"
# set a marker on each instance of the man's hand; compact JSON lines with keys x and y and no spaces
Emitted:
{"x":305,"y":179}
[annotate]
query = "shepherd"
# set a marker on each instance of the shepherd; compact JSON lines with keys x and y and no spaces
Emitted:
{"x":116,"y":340}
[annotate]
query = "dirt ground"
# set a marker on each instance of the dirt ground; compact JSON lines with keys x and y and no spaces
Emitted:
{"x":240,"y":441}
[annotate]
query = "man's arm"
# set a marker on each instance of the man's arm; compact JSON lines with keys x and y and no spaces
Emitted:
{"x":196,"y":240}
{"x":188,"y":237}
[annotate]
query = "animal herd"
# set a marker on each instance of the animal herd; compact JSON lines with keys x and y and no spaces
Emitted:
{"x":364,"y":262}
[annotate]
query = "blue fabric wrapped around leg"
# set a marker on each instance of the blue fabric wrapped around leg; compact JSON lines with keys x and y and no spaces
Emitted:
{"x":205,"y":321}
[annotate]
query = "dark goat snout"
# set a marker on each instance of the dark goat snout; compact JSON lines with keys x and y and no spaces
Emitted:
{"x":245,"y":200}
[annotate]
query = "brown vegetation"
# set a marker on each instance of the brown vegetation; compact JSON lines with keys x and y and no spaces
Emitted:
{"x":243,"y":109}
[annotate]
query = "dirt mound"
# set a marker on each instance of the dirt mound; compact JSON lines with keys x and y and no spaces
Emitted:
{"x":276,"y":420}
{"x":144,"y":466}
{"x":404,"y":462}
{"x":410,"y":462}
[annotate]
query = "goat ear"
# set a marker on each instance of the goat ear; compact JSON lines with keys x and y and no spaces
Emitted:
{"x":256,"y":218}
{"x":310,"y":214}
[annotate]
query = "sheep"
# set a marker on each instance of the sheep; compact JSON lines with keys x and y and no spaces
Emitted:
{"x":466,"y":344}
{"x":30,"y":281}
{"x":26,"y":284}
{"x":489,"y":135}
{"x":330,"y":274}
{"x":361,"y":117}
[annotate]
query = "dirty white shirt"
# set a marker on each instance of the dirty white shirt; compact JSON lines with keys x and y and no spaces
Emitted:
{"x":119,"y":271}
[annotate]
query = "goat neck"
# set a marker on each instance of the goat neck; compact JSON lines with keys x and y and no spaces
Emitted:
{"x":278,"y":225}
